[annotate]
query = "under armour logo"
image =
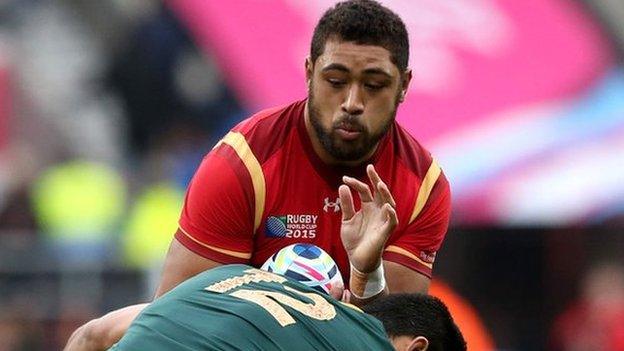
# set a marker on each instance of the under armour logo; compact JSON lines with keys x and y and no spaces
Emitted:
{"x":328,"y":204}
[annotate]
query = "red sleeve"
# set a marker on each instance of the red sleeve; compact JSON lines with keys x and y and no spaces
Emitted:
{"x":417,"y":245}
{"x":217,"y":220}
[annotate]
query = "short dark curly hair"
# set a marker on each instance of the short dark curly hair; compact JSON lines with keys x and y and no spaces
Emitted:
{"x":418,"y":315}
{"x":364,"y":22}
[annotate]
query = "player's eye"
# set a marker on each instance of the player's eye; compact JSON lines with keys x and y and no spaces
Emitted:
{"x":373,"y":87}
{"x":336,"y":83}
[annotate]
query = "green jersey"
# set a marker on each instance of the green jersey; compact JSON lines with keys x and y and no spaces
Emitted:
{"x":237,"y":307}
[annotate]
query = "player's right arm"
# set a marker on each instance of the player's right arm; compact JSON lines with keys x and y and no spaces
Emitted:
{"x":181,"y":264}
{"x":103,"y":332}
{"x":217,"y":221}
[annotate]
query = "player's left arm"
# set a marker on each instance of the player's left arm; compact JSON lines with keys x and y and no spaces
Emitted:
{"x":401,"y":279}
{"x":407,"y":262}
{"x":409,"y":257}
{"x":364,"y":234}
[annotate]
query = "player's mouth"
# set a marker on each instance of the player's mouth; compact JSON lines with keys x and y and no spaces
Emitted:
{"x":348,"y":131}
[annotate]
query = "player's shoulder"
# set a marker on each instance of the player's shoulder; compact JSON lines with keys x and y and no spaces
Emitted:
{"x":229,"y":269}
{"x":215,"y":276}
{"x":277,"y":115}
{"x":266,"y":131}
{"x":412,"y":154}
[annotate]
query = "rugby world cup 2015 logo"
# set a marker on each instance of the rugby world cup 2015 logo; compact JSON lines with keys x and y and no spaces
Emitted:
{"x":276,"y":227}
{"x":291,"y":226}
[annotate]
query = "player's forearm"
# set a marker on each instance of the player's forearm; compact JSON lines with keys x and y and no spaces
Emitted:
{"x":104,"y":332}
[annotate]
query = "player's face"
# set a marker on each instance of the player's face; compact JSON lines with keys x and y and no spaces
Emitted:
{"x":353,"y":94}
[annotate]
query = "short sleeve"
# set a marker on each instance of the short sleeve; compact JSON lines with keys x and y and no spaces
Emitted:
{"x":217,"y":217}
{"x":416,"y":246}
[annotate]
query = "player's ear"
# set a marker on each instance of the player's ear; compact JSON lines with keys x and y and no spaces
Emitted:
{"x":406,"y":78}
{"x":420,"y":343}
{"x":309,"y":71}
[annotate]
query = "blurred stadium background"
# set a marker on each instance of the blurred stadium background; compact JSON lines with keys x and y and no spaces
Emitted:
{"x":107,"y":107}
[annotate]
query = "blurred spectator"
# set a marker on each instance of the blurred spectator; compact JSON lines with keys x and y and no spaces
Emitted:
{"x":5,"y":97}
{"x":152,"y":219}
{"x":79,"y":205}
{"x":596,"y":321}
{"x":147,"y":235}
{"x":16,"y":214}
{"x":165,"y":82}
{"x":58,"y":70}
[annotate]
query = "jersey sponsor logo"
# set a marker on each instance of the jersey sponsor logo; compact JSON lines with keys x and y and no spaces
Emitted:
{"x":301,"y":226}
{"x":330,"y":206}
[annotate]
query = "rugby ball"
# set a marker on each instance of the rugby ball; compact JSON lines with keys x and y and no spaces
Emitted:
{"x":307,"y":264}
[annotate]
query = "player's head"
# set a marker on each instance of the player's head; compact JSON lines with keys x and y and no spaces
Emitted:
{"x":357,"y":75}
{"x":417,"y":322}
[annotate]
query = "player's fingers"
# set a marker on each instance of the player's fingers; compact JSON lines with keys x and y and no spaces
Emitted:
{"x":337,"y":290}
{"x":361,"y":187}
{"x":385,"y":194}
{"x":346,"y":296}
{"x":346,"y":202}
{"x":374,"y":179}
{"x":392,"y":220}
{"x":382,"y":192}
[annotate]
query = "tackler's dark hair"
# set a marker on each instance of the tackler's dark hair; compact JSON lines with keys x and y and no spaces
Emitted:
{"x":418,"y":315}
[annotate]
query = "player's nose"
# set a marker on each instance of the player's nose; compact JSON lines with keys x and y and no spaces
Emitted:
{"x":353,"y":103}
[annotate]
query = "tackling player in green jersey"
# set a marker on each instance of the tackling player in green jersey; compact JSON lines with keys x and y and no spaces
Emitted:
{"x":237,"y":307}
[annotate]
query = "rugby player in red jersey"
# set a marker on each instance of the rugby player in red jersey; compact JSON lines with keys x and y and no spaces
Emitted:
{"x":274,"y":179}
{"x":285,"y":175}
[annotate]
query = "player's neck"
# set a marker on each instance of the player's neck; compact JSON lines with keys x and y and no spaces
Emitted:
{"x":322,"y":153}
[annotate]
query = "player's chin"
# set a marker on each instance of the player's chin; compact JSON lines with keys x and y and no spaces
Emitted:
{"x":348,"y":150}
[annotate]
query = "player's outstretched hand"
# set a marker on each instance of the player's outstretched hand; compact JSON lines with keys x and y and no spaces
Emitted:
{"x":364,"y":232}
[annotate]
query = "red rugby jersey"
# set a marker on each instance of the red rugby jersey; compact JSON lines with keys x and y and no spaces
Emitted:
{"x":262,"y":187}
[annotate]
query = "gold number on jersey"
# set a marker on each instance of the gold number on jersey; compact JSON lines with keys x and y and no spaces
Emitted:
{"x":272,"y":301}
{"x":320,"y":309}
